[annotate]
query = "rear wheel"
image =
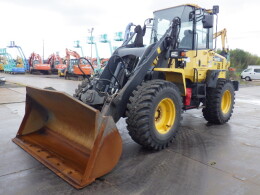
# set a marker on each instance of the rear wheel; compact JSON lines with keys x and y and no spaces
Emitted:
{"x":154,"y":114}
{"x":219,"y":102}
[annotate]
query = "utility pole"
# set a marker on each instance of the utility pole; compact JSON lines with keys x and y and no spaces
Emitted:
{"x":43,"y":50}
{"x":91,"y":39}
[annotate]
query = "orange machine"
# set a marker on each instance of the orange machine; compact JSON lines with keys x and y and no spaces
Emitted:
{"x":56,"y":62}
{"x":104,"y":61}
{"x":77,"y":66}
{"x":36,"y":64}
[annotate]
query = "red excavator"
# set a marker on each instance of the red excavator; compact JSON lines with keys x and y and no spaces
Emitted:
{"x":37,"y":65}
{"x":56,"y":62}
{"x":104,"y":61}
{"x":78,"y":66}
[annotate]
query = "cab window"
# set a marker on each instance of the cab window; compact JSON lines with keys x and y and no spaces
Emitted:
{"x":201,"y":36}
{"x":186,"y":35}
{"x":257,"y":70}
{"x":204,"y":37}
{"x":186,"y":31}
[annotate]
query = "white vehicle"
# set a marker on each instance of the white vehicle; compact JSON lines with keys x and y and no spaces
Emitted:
{"x":251,"y":73}
{"x":2,"y":80}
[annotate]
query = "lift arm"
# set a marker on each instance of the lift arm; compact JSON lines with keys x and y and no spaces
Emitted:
{"x":116,"y":105}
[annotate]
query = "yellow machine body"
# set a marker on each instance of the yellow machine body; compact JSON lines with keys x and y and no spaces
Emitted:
{"x":80,"y":143}
{"x":201,"y":61}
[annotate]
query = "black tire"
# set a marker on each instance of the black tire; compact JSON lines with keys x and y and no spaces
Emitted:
{"x":66,"y":76}
{"x":31,"y":70}
{"x":141,"y":111}
{"x":214,"y":112}
{"x":81,"y":86}
{"x":248,"y":78}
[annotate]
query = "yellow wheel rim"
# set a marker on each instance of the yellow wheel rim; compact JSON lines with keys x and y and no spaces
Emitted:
{"x":164,"y":116}
{"x":226,"y":102}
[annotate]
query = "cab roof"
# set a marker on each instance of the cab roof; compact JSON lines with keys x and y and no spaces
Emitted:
{"x":191,"y":5}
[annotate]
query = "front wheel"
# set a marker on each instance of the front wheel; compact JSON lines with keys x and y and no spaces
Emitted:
{"x":154,"y":114}
{"x":80,"y":88}
{"x":219,"y":102}
{"x":247,"y":78}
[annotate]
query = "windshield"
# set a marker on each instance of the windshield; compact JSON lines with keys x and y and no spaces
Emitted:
{"x":36,"y":62}
{"x":73,"y":62}
{"x":162,"y":21}
{"x":248,"y":70}
{"x":56,"y":62}
{"x":83,"y":61}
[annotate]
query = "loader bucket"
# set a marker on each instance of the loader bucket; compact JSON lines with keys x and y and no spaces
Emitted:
{"x":71,"y":138}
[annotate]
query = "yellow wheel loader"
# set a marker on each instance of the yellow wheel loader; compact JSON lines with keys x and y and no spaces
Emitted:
{"x":149,"y":84}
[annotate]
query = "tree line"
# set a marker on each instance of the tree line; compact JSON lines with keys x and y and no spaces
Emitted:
{"x":240,"y":59}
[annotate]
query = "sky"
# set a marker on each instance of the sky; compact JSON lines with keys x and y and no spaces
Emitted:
{"x":58,"y":23}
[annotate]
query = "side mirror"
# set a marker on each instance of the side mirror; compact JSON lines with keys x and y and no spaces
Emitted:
{"x":215,"y":9}
{"x":208,"y":21}
{"x":148,"y":22}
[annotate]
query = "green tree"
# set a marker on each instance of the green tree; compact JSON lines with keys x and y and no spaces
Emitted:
{"x":240,"y":59}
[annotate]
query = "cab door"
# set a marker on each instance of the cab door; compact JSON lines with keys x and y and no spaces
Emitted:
{"x":198,"y":42}
{"x":203,"y":45}
{"x":256,"y":73}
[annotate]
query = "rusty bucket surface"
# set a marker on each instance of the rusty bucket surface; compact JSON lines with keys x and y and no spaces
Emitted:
{"x":72,"y":139}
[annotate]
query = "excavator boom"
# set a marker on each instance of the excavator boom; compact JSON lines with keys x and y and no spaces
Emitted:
{"x":223,"y":34}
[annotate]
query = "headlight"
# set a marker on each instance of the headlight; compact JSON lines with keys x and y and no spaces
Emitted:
{"x":174,"y":54}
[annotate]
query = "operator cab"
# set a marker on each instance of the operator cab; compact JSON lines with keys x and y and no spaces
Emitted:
{"x":196,"y":31}
{"x":36,"y":62}
{"x":56,"y":62}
